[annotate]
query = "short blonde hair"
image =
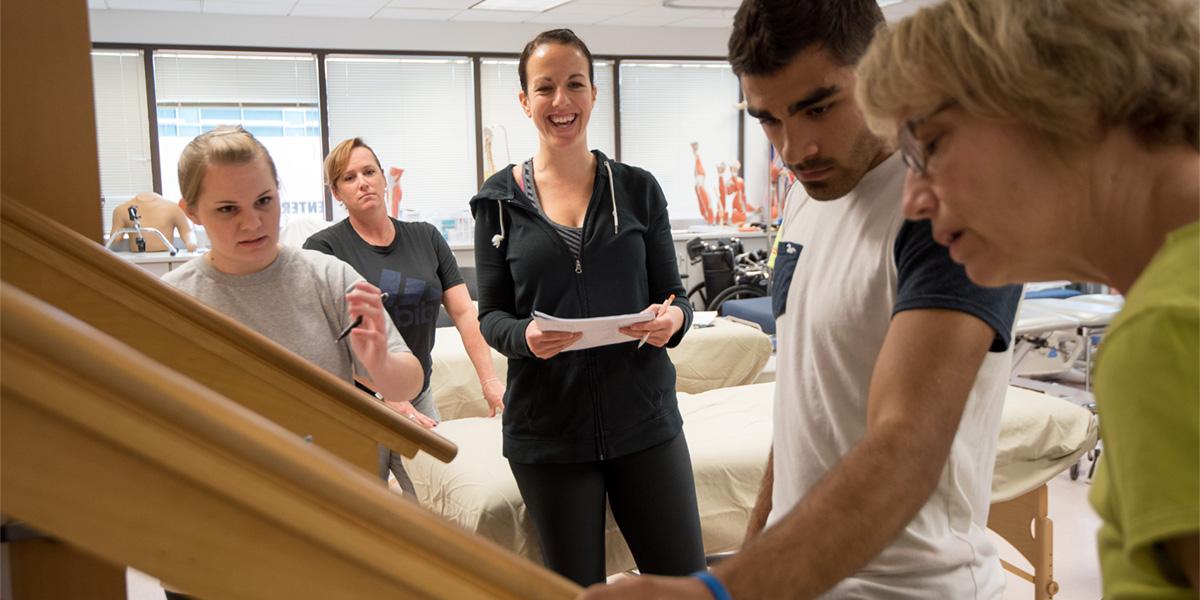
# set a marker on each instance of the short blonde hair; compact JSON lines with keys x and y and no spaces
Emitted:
{"x":227,"y":144}
{"x":1070,"y":69}
{"x":339,"y":157}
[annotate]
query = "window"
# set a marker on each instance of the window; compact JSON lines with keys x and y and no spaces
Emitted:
{"x":418,"y":114}
{"x":514,"y":138}
{"x":273,"y":95}
{"x":667,"y":105}
{"x":122,"y":128}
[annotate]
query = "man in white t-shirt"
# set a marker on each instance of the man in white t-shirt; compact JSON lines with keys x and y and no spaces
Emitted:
{"x":892,"y":365}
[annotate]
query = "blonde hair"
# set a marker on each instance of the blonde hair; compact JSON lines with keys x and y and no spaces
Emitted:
{"x":227,"y":144}
{"x":1070,"y":69}
{"x":339,"y":157}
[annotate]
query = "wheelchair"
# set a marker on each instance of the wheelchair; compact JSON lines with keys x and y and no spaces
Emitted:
{"x":730,"y":273}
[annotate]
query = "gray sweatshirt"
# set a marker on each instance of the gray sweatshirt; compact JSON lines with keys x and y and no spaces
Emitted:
{"x":298,"y":301}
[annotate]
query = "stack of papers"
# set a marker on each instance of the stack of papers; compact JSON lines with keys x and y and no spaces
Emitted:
{"x":597,"y":331}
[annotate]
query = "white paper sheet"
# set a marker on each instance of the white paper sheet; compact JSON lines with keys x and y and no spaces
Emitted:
{"x":703,"y":318}
{"x":597,"y":331}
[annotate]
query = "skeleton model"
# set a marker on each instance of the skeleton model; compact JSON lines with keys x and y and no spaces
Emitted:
{"x":394,"y":174}
{"x":701,"y":193}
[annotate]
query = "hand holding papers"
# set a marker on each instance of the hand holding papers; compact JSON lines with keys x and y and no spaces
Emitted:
{"x":595,"y":331}
{"x":662,"y":310}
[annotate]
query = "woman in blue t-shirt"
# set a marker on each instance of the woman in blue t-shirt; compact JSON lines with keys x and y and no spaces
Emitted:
{"x":412,"y":263}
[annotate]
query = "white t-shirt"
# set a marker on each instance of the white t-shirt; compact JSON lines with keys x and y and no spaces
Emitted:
{"x":844,"y":268}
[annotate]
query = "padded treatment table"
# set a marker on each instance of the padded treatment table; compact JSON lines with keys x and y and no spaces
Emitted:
{"x":724,"y":355}
{"x":755,"y":310}
{"x":729,"y":436}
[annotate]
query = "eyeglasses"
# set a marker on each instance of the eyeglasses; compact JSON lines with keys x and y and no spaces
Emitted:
{"x":912,"y":150}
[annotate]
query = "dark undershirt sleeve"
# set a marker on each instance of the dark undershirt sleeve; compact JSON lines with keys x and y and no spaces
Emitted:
{"x":447,"y":269}
{"x":928,"y":278}
{"x":318,"y":243}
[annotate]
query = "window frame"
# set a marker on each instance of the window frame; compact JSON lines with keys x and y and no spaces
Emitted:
{"x":320,"y":54}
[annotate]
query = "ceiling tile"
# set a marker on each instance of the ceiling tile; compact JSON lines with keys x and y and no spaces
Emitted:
{"x":347,"y":9}
{"x":241,"y":7}
{"x":553,"y":18}
{"x":678,"y":14}
{"x":434,"y":4}
{"x":702,"y":4}
{"x":635,"y":20}
{"x":722,"y":22}
{"x":495,"y":16}
{"x":417,"y":14}
{"x":623,"y":2}
{"x":171,"y":5}
{"x":591,"y":8}
{"x":656,"y":16}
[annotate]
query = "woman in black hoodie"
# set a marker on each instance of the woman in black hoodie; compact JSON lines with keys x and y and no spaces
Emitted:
{"x":573,"y":234}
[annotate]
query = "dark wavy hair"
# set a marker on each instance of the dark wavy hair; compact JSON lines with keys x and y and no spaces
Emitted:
{"x":768,"y":34}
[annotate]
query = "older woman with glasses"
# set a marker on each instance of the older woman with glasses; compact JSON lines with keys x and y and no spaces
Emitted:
{"x":1061,"y":140}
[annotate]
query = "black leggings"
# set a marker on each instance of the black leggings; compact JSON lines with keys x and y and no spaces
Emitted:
{"x":653,"y":498}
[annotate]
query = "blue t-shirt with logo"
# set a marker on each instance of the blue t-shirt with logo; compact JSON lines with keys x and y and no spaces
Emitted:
{"x":414,"y":270}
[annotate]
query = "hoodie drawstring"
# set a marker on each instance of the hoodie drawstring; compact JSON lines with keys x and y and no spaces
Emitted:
{"x":498,"y":239}
{"x":612,"y":193}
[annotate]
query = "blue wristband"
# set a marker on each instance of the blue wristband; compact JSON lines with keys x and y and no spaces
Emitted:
{"x":713,"y":584}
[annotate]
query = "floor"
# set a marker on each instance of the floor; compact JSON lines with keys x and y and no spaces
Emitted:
{"x":1076,"y":568}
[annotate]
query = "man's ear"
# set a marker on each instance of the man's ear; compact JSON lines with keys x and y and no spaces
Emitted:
{"x":187,"y":210}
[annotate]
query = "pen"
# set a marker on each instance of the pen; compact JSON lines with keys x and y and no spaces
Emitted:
{"x":661,"y":311}
{"x":357,"y":321}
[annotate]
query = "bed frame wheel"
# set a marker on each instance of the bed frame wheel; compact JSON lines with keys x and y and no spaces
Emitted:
{"x":1074,"y":471}
{"x":1052,"y":588}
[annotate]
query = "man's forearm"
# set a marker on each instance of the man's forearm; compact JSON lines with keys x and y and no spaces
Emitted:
{"x":846,"y":520}
{"x":762,"y":506}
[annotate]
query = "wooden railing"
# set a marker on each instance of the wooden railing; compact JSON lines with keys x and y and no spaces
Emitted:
{"x":92,"y":284}
{"x":128,"y":460}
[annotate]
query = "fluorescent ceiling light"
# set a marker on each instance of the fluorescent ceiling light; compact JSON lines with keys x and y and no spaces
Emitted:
{"x":518,"y":5}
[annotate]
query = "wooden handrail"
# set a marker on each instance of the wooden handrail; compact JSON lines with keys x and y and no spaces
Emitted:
{"x":114,"y":453}
{"x":92,"y":284}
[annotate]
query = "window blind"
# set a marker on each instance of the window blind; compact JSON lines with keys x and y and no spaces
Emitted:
{"x":231,"y":78}
{"x":667,"y":105}
{"x":273,"y":95}
{"x":514,"y":137}
{"x":418,"y":114}
{"x":122,"y":128}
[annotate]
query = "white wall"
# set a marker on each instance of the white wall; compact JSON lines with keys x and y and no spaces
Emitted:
{"x":189,"y":28}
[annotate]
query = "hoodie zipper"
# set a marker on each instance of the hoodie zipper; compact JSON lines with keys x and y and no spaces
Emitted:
{"x":544,"y":222}
{"x":597,"y":408}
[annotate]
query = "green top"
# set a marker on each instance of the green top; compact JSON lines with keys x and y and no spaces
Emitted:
{"x":1148,"y":392}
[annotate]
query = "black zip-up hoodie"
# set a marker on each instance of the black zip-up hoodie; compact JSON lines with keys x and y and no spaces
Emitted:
{"x":593,"y":404}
